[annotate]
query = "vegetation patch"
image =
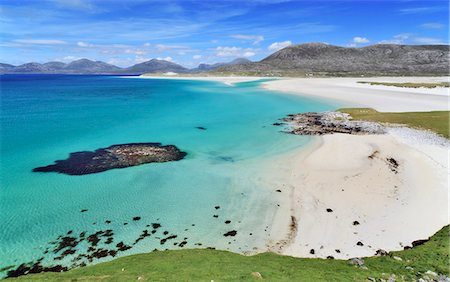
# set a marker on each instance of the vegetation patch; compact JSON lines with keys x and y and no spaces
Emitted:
{"x":427,"y":261}
{"x":436,"y":121}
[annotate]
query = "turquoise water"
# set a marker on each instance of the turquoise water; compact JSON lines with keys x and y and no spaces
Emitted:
{"x":46,"y":117}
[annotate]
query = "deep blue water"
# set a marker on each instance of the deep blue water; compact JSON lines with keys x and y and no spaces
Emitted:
{"x":46,"y":117}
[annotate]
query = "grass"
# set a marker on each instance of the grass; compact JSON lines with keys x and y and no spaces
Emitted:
{"x":437,"y":121}
{"x":409,"y":84}
{"x":207,"y":265}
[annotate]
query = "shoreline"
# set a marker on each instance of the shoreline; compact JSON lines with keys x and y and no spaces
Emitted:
{"x":372,"y":207}
{"x":391,"y":209}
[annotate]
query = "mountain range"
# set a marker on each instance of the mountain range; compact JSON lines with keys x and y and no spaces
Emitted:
{"x":85,"y":66}
{"x":302,"y":59}
{"x":380,"y":59}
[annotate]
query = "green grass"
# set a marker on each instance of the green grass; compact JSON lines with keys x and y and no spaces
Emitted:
{"x":207,"y":265}
{"x":437,"y":121}
{"x":409,"y":84}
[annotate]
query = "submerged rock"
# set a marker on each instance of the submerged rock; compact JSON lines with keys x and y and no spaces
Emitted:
{"x":115,"y":156}
{"x":314,"y":123}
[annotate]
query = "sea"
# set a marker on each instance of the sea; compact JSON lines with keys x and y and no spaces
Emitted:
{"x":215,"y":197}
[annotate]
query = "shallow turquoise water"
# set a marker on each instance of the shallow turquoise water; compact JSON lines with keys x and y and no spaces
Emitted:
{"x":46,"y":117}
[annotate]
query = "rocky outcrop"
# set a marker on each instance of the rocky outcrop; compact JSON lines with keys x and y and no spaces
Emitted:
{"x":314,"y":123}
{"x":115,"y":156}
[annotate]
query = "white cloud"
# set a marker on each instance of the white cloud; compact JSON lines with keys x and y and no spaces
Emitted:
{"x":255,"y":38}
{"x":279,"y":45}
{"x":358,"y":39}
{"x":40,"y":41}
{"x":432,"y":26}
{"x":169,"y":59}
{"x":84,"y":44}
{"x":196,"y":57}
{"x":70,"y":58}
{"x":234,"y":52}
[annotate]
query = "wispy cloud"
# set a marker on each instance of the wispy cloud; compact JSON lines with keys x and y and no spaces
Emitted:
{"x":255,"y":38}
{"x":408,"y":38}
{"x":279,"y":45}
{"x":234,"y":52}
{"x":40,"y":41}
{"x":420,"y":10}
{"x":432,"y":26}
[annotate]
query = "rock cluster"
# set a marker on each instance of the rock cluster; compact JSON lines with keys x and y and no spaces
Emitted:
{"x":314,"y":123}
{"x":115,"y":156}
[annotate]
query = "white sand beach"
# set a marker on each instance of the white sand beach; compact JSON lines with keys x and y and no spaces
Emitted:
{"x":372,"y":204}
{"x":350,"y":93}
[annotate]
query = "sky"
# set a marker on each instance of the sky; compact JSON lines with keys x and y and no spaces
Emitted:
{"x":126,"y":32}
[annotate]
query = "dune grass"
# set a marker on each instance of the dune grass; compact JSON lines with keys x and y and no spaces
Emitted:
{"x":409,"y":84}
{"x":437,"y":121}
{"x":207,"y":265}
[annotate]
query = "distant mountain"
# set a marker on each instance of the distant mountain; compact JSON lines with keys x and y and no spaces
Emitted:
{"x":155,"y":66}
{"x":55,"y":65}
{"x":208,"y":67}
{"x":88,"y":66}
{"x":30,"y":68}
{"x":381,"y":59}
{"x":76,"y":67}
{"x":6,"y":67}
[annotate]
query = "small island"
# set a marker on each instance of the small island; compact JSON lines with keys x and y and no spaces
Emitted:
{"x":115,"y":156}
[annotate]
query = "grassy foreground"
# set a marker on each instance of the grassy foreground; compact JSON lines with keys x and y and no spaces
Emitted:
{"x":437,"y":121}
{"x":409,"y":84}
{"x":207,"y":265}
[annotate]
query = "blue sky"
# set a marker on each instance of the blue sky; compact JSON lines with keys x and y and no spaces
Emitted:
{"x":208,"y":31}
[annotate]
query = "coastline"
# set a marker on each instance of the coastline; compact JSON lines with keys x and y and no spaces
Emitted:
{"x":391,"y":209}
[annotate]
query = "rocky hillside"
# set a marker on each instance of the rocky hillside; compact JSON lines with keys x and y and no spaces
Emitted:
{"x":382,"y":59}
{"x":155,"y":66}
{"x":210,"y":67}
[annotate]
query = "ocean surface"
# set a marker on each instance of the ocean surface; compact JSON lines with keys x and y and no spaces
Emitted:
{"x":46,"y":117}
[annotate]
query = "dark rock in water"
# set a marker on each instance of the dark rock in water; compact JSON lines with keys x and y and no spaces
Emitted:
{"x":136,"y":218}
{"x":84,"y":210}
{"x":115,"y":156}
{"x":227,"y":221}
{"x":24,"y":269}
{"x":216,"y":216}
{"x":122,"y":247}
{"x":156,"y":225}
{"x":217,"y":207}
{"x":231,"y":233}
{"x":201,"y":127}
